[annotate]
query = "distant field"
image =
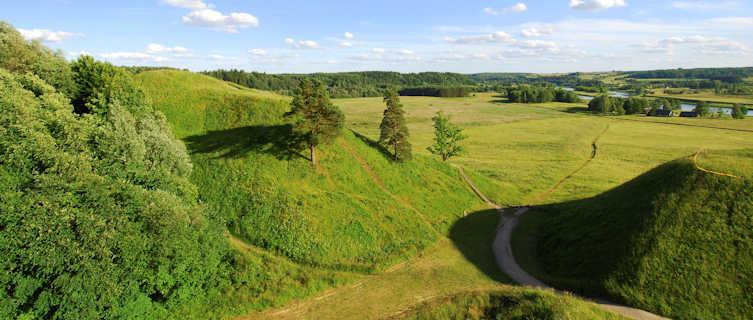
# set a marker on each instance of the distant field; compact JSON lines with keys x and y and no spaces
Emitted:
{"x":704,"y":96}
{"x":528,"y":148}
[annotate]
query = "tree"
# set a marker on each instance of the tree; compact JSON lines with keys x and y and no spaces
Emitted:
{"x":739,"y":112}
{"x":601,"y":104}
{"x":394,"y":132}
{"x":447,"y":137}
{"x":702,"y":108}
{"x":315,"y":119}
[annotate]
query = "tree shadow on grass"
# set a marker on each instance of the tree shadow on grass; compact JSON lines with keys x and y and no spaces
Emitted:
{"x":277,"y":140}
{"x":474,"y":236}
{"x":373,"y":144}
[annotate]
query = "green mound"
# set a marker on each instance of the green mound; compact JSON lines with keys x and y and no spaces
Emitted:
{"x":355,"y":211}
{"x":510,"y":304}
{"x":675,"y":240}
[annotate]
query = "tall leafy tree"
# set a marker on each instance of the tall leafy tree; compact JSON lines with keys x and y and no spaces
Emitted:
{"x":315,"y":119}
{"x":703,"y":108}
{"x":447,"y":137}
{"x":739,"y":112}
{"x":394,"y":131}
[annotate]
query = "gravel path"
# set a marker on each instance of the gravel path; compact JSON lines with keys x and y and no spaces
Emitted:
{"x":506,"y":261}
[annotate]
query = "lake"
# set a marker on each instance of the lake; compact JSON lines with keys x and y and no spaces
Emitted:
{"x":691,"y":107}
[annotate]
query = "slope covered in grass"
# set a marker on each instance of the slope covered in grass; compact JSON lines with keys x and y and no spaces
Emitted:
{"x":509,"y":304}
{"x":675,"y":240}
{"x":355,"y":211}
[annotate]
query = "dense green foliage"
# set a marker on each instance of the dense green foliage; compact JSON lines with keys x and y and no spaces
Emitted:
{"x":675,"y":240}
{"x":447,"y":138}
{"x":338,"y":216}
{"x":512,"y":304}
{"x":721,"y":74}
{"x":620,"y":106}
{"x":702,"y":108}
{"x":20,"y":56}
{"x":341,"y":85}
{"x":739,"y":111}
{"x":529,"y":94}
{"x":99,"y":219}
{"x":315,"y":119}
{"x":100,"y":85}
{"x":393,"y":129}
{"x":436,"y":91}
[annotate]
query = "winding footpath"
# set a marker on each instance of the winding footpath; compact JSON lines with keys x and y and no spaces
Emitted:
{"x":506,"y":261}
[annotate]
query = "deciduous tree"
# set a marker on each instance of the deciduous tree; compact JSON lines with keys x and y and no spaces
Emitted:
{"x":447,"y":137}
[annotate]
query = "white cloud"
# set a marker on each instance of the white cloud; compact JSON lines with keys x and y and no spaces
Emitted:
{"x":538,"y":44}
{"x":77,"y":54}
{"x":188,"y":4}
{"x":405,"y":52}
{"x":519,"y":7}
{"x":220,"y":57}
{"x":158,"y":48}
{"x":491,"y":11}
{"x":349,"y":35}
{"x":303,"y":44}
{"x":496,"y":37}
{"x":217,"y":20}
{"x":702,"y":5}
{"x":258,"y":52}
{"x":596,"y":5}
{"x":378,"y":50}
{"x":133,"y":56}
{"x":535,"y":32}
{"x":46,"y":35}
{"x":346,"y":44}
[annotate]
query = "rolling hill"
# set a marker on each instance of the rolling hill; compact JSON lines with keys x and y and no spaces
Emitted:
{"x":675,"y":240}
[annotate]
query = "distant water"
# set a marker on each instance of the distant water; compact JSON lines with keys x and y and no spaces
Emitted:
{"x":691,"y":107}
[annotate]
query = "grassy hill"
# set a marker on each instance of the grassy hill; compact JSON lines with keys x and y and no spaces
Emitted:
{"x":674,"y":240}
{"x":509,"y":304}
{"x":355,"y":211}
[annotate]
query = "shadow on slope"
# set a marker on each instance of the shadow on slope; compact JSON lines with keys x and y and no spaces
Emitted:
{"x":277,"y":140}
{"x":675,"y":241}
{"x":474,"y":235}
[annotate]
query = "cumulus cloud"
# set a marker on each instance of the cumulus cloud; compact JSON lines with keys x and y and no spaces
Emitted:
{"x":46,"y":35}
{"x":519,"y":7}
{"x":349,"y":35}
{"x":405,"y":52}
{"x":537,"y":44}
{"x":303,"y":44}
{"x":596,"y":5}
{"x":378,"y":50}
{"x":701,"y":44}
{"x":535,"y":32}
{"x":188,"y":4}
{"x":345,"y":44}
{"x":215,"y":19}
{"x":158,"y":48}
{"x":497,"y":37}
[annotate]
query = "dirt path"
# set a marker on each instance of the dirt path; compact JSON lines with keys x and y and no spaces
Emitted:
{"x":594,"y":150}
{"x":381,"y":185}
{"x":506,"y":261}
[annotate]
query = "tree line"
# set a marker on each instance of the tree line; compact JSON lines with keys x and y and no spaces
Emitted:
{"x":445,"y":92}
{"x":530,"y":94}
{"x":343,"y":85}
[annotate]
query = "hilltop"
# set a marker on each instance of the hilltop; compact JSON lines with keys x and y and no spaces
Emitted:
{"x":675,"y":240}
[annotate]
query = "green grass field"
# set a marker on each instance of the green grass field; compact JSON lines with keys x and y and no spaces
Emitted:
{"x":704,"y":95}
{"x":357,"y":213}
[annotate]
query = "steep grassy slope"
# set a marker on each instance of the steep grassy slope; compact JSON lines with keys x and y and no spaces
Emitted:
{"x":507,"y":305}
{"x":675,"y":240}
{"x":354,"y":211}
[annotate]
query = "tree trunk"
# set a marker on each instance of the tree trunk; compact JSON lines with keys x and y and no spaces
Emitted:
{"x":313,"y":155}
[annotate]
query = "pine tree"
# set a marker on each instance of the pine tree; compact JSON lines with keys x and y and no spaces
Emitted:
{"x":394,"y":132}
{"x":447,"y":137}
{"x":315,"y":119}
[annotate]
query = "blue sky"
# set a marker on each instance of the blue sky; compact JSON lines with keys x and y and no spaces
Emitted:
{"x":297,"y":36}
